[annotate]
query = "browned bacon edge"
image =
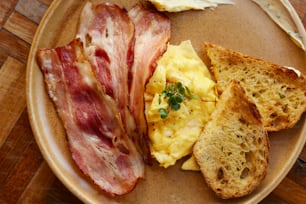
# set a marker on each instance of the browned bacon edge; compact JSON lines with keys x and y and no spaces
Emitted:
{"x":152,"y":33}
{"x":98,"y":142}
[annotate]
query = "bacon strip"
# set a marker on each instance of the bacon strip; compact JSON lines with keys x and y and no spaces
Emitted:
{"x":96,"y":136}
{"x":152,"y":33}
{"x":108,"y":36}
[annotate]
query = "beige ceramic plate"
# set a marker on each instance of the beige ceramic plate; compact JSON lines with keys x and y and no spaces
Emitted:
{"x":243,"y":27}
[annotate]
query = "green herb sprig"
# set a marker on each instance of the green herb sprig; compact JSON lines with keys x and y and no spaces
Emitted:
{"x":175,"y":95}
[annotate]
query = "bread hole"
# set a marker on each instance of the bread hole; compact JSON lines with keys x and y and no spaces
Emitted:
{"x":281,"y":95}
{"x":278,"y":103}
{"x":244,"y":173}
{"x":255,"y":143}
{"x":224,"y":182}
{"x":279,"y":120}
{"x":262,"y":91}
{"x":273,"y":115}
{"x":259,"y":140}
{"x":220,"y":174}
{"x":284,"y":87}
{"x":242,"y":120}
{"x":250,"y":158}
{"x":243,"y":146}
{"x":285,"y":108}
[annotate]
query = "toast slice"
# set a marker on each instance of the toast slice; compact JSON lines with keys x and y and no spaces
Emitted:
{"x":232,"y":151}
{"x":278,"y":92}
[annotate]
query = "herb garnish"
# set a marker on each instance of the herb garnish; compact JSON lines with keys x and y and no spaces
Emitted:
{"x":175,"y":94}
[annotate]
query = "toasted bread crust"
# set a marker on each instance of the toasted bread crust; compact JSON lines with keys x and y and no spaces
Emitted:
{"x":278,"y":92}
{"x":233,"y":149}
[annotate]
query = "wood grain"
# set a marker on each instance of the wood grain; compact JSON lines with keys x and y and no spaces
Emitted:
{"x":6,"y":7}
{"x":32,"y":9}
{"x":24,"y":175}
{"x":12,"y":95}
{"x":13,"y":46}
{"x":21,"y":26}
{"x":289,"y":187}
{"x":39,"y":184}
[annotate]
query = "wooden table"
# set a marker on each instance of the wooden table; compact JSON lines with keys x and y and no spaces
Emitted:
{"x":24,"y":175}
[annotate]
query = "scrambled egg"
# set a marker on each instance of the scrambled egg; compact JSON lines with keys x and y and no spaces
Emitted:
{"x":183,"y":5}
{"x":173,"y":137}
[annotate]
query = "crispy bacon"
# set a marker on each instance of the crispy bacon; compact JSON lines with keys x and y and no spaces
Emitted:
{"x":152,"y":33}
{"x":108,"y":36}
{"x":97,"y":139}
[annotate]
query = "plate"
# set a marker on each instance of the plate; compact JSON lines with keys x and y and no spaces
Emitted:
{"x":243,"y":27}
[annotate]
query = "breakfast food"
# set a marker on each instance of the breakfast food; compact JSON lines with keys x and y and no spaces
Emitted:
{"x":102,"y":104}
{"x":278,"y":92}
{"x":97,"y":140}
{"x":233,"y":149}
{"x":123,"y":48}
{"x":172,"y":137}
{"x":88,"y":81}
{"x":183,"y":5}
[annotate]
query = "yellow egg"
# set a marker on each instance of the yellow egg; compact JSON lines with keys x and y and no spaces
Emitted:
{"x":191,"y":164}
{"x":174,"y":136}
